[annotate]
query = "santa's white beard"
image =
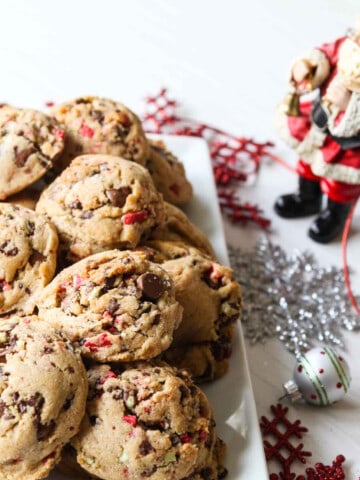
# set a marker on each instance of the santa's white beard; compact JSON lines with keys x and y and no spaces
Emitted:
{"x":349,"y":65}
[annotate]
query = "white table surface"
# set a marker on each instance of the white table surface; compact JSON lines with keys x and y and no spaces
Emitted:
{"x":226,"y":62}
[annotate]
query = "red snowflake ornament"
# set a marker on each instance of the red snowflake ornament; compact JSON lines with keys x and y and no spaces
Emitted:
{"x":286,"y":451}
{"x":235,"y":160}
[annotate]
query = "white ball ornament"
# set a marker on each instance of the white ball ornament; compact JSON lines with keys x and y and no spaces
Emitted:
{"x":321,"y":377}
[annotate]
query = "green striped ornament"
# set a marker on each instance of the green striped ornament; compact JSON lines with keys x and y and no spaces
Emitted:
{"x":322,"y":376}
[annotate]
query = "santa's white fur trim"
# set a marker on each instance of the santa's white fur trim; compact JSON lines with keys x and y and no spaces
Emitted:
{"x":334,"y":171}
{"x":282,"y":127}
{"x":313,"y":140}
{"x":349,"y":126}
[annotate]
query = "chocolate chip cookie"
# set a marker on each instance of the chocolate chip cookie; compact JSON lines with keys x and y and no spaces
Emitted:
{"x":30,"y":143}
{"x":100,"y":125}
{"x":28,"y":248}
{"x":114,"y":306}
{"x":160,"y":424}
{"x":211,"y":299}
{"x":206,"y":361}
{"x":101,"y":202}
{"x":168,"y":174}
{"x":43,"y":391}
{"x":178,"y":228}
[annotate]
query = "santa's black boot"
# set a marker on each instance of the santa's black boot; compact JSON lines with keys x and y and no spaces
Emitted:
{"x":307,"y":201}
{"x":330,"y":222}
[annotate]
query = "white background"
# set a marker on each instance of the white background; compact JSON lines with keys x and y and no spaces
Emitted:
{"x":226,"y":63}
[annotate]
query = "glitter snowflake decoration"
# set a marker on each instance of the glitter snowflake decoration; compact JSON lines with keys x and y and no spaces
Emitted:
{"x":290,"y":297}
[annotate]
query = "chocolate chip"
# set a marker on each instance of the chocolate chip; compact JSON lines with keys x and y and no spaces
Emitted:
{"x":149,"y":471}
{"x":151,"y":285}
{"x":92,"y":420}
{"x":22,"y":406}
{"x":8,"y":252}
{"x":113,"y":306}
{"x":80,"y":100}
{"x":22,"y":156}
{"x":86,"y":215}
{"x":44,"y":431}
{"x":37,"y":401}
{"x":36,"y":257}
{"x":98,"y":115}
{"x":77,"y":205}
{"x":183,"y":392}
{"x":30,"y":227}
{"x":145,"y":447}
{"x":206,"y":473}
{"x":68,"y":402}
{"x":118,"y":196}
{"x":48,"y":350}
{"x":2,"y":408}
{"x":175,"y":439}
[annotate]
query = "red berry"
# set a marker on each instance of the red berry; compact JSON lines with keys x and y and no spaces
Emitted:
{"x":339,"y":385}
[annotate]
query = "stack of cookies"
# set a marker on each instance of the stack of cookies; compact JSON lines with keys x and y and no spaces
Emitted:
{"x":112,"y":303}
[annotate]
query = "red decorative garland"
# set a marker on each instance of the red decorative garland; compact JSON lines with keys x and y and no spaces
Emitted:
{"x":284,"y":443}
{"x":236,"y":160}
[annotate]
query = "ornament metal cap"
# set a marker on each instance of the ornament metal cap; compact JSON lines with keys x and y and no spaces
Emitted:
{"x":292,"y":391}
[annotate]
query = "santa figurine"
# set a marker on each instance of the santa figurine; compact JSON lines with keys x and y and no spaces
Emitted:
{"x":325,"y":133}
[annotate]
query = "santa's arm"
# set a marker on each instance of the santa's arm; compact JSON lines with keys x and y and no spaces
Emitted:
{"x":320,"y":60}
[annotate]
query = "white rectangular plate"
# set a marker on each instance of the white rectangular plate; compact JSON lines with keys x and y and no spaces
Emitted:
{"x":232,"y":396}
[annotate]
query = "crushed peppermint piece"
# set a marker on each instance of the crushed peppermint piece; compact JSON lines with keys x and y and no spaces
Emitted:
{"x":185,"y":438}
{"x":59,"y":134}
{"x":86,"y":131}
{"x":5,"y":286}
{"x":135,"y":217}
{"x":131,"y":419}
{"x":77,"y":281}
{"x":109,"y":374}
{"x":98,"y":342}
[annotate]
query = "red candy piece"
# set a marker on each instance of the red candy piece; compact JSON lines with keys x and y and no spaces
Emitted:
{"x":185,"y":438}
{"x":109,"y":374}
{"x":203,"y":435}
{"x":77,"y":281}
{"x":131,"y":419}
{"x":99,"y":342}
{"x":5,"y":286}
{"x":135,"y":217}
{"x":86,"y":131}
{"x":175,"y":188}
{"x":59,"y":134}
